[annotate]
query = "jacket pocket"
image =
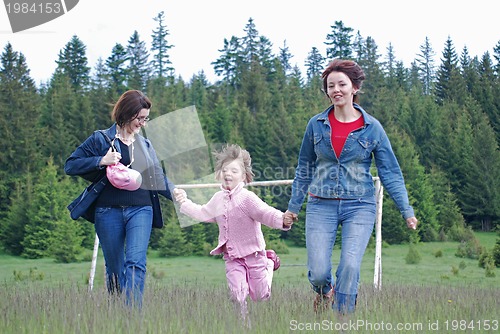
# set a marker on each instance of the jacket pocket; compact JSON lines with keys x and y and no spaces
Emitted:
{"x":367,"y":147}
{"x":319,"y":145}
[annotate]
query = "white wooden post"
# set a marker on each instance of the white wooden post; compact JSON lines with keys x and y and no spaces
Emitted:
{"x":379,"y":197}
{"x":94,"y":262}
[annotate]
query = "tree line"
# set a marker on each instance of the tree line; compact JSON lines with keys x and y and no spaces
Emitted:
{"x":443,"y":121}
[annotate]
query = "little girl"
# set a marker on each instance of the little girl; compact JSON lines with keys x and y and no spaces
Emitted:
{"x":239,"y":214}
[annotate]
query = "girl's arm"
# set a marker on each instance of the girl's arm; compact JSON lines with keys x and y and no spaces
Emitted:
{"x":265,"y":214}
{"x":205,"y":213}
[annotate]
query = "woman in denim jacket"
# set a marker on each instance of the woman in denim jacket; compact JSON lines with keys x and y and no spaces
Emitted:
{"x":123,"y":217}
{"x":334,"y":171}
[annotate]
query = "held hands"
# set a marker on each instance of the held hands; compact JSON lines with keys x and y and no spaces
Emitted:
{"x":180,"y":195}
{"x":289,"y":218}
{"x":412,"y":223}
{"x":111,"y":158}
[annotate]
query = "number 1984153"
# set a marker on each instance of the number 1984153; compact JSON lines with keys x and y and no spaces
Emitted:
{"x":35,"y":8}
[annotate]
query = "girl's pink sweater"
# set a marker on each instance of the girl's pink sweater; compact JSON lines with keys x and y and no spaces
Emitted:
{"x":239,"y":214}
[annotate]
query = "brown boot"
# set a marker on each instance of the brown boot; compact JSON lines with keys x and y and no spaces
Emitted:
{"x":322,"y":302}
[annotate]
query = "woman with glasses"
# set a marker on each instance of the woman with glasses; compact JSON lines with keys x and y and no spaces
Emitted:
{"x":123,"y":215}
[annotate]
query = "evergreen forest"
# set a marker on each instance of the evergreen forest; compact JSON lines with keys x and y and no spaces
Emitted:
{"x":442,"y":117}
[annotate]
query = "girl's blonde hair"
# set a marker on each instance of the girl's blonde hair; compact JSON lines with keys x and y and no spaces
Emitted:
{"x":230,"y":153}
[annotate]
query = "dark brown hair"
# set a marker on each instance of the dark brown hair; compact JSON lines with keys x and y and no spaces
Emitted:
{"x":128,"y":106}
{"x":229,"y":154}
{"x":349,"y":68}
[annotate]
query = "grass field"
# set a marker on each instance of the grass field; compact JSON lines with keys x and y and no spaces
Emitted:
{"x":443,"y":294}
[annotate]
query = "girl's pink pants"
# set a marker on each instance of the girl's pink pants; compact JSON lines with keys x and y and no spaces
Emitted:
{"x":251,"y":275}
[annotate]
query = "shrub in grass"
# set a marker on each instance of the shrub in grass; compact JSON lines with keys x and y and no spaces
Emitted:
{"x":459,"y":232}
{"x":487,"y":261}
{"x":490,"y":267}
{"x":454,"y":270}
{"x":484,"y":257}
{"x":470,"y":247}
{"x":438,"y":253}
{"x":279,"y":246}
{"x":33,"y":275}
{"x":496,"y":252}
{"x":413,"y":256}
{"x":442,"y":235}
{"x":462,"y":265}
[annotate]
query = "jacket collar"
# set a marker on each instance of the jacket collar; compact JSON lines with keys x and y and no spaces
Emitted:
{"x":367,"y":118}
{"x":233,"y":191}
{"x":111,"y":131}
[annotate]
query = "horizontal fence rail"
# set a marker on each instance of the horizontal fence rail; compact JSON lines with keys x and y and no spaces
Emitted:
{"x":379,"y":190}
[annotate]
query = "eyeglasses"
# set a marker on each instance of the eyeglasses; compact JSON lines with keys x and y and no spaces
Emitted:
{"x":143,"y":119}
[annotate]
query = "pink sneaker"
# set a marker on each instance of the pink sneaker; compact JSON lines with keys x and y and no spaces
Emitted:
{"x":276,"y":259}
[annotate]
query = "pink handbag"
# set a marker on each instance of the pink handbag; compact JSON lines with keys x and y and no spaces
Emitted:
{"x":123,"y":177}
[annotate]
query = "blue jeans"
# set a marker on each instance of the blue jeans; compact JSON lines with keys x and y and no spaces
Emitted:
{"x":124,"y":234}
{"x":323,"y":218}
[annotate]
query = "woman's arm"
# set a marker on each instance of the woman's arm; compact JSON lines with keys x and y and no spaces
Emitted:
{"x":87,"y":158}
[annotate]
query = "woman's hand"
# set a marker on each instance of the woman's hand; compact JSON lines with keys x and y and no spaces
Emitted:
{"x":111,"y":158}
{"x":180,"y":195}
{"x":412,"y":223}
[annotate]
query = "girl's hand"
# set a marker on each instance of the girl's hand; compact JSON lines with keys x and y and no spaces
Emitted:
{"x":180,"y":195}
{"x":289,"y":218}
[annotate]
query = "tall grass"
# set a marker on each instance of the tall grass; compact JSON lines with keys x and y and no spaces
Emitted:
{"x":442,"y":294}
{"x":175,"y":307}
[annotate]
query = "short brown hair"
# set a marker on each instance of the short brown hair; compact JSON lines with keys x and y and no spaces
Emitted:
{"x":349,"y":67}
{"x":129,"y":105}
{"x":230,"y":153}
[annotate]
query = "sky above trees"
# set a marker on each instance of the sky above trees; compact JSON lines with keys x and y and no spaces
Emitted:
{"x":198,"y":28}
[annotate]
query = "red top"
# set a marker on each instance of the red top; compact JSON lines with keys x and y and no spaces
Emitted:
{"x":341,"y":130}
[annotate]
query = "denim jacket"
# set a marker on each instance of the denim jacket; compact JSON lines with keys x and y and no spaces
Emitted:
{"x":84,"y":162}
{"x":322,"y":174}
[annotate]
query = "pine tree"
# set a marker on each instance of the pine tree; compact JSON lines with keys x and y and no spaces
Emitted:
{"x":172,"y":242}
{"x":12,"y":230}
{"x":450,"y":85}
{"x":66,"y":242}
{"x":486,"y":93}
{"x":73,"y":62}
{"x":449,"y":215}
{"x":139,"y":69}
{"x":116,"y":70}
{"x":481,"y":184}
{"x":47,"y":208}
{"x":425,"y":66}
{"x":160,"y":47}
{"x":66,"y":119}
{"x":340,"y":40}
{"x":20,"y":107}
{"x":314,"y":64}
{"x":227,"y":64}
{"x":250,"y":44}
{"x":195,"y":237}
{"x":369,"y":61}
{"x":284,"y":58}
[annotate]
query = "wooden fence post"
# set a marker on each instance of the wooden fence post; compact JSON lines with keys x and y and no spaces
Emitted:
{"x":379,"y":197}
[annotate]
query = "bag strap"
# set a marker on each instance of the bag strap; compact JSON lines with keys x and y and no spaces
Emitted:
{"x":113,"y":147}
{"x":111,"y":143}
